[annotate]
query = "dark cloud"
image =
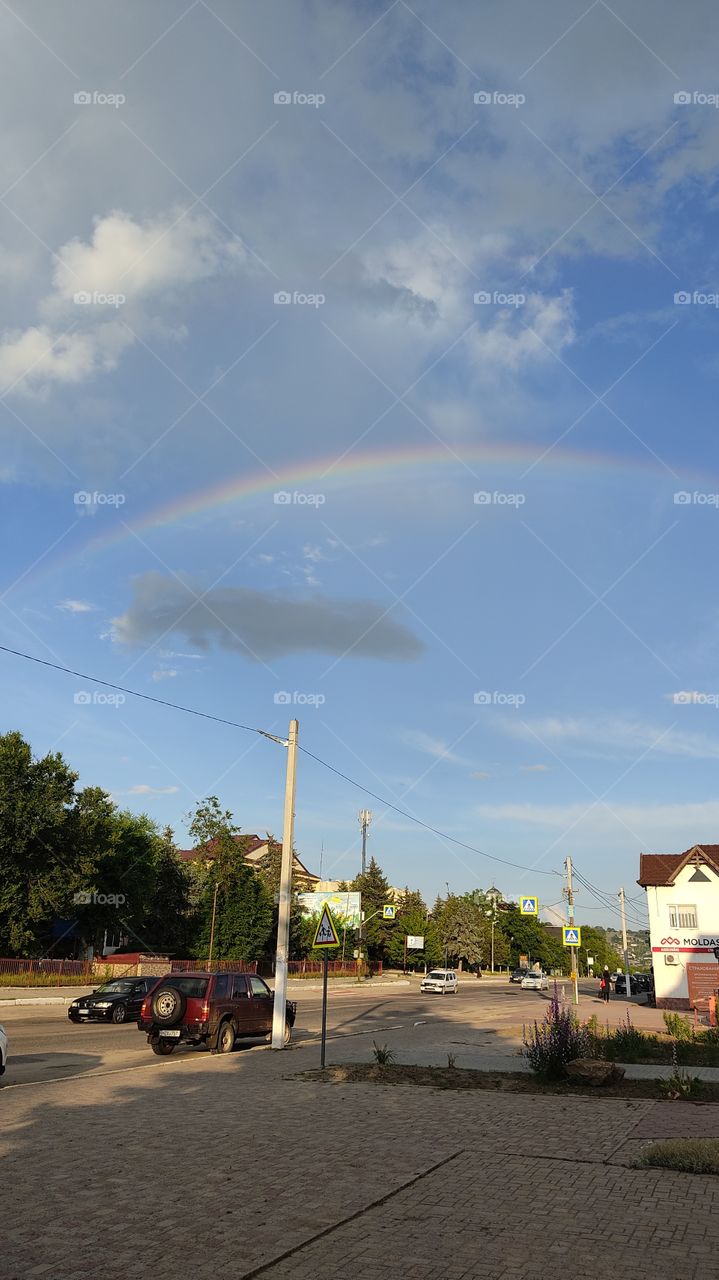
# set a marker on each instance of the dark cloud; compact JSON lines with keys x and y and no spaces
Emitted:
{"x":261,"y":624}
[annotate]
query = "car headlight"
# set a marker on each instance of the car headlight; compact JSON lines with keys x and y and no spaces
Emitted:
{"x":103,"y":1004}
{"x":75,"y":1004}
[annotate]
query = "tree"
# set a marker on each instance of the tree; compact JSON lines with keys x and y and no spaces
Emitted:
{"x":375,"y":890}
{"x":170,"y":921}
{"x":413,"y":919}
{"x":462,"y":928}
{"x":243,"y":915}
{"x":527,"y":936}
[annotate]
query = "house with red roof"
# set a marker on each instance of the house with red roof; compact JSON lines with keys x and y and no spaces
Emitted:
{"x":256,"y":853}
{"x":683,"y":901}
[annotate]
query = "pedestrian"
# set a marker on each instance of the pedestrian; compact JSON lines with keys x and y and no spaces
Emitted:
{"x":605,"y":984}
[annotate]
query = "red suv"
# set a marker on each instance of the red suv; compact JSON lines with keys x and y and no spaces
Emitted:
{"x":209,"y":1008}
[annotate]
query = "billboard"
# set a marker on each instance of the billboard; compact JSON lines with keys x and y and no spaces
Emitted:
{"x":345,"y":907}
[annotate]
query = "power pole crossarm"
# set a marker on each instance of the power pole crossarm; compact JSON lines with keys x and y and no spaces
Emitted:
{"x":283,"y":921}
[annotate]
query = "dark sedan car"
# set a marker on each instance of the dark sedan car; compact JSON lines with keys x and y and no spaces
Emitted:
{"x":639,"y":982}
{"x":517,"y":974}
{"x":117,"y":1001}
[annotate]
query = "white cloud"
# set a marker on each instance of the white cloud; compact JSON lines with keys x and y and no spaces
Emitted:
{"x":141,"y":263}
{"x":659,"y":827}
{"x":165,"y":673}
{"x":617,"y":737}
{"x":430,"y":746}
{"x":76,"y":606}
{"x":535,"y":768}
{"x":143,"y":789}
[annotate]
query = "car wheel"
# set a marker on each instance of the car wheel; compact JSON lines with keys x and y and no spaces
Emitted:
{"x":119,"y":1013}
{"x":226,"y":1038}
{"x":168,"y":1006}
{"x":163,"y":1048}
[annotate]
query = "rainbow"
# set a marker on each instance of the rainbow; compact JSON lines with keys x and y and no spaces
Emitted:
{"x":322,"y":474}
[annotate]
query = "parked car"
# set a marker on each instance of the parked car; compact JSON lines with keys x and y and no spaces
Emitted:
{"x":3,"y":1049}
{"x":517,"y":974}
{"x":209,"y":1008}
{"x":638,"y":982}
{"x":534,"y":981}
{"x":115,"y":1001}
{"x":440,"y":981}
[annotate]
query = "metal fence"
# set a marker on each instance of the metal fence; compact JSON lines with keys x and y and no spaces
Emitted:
{"x":336,"y":968}
{"x":226,"y":966}
{"x":46,"y":972}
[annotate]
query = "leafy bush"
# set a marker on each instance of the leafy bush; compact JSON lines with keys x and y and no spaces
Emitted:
{"x":688,"y":1155}
{"x":678,"y":1026}
{"x":630,"y":1044}
{"x":680,"y":1084}
{"x":382,"y":1054}
{"x":555,"y":1041}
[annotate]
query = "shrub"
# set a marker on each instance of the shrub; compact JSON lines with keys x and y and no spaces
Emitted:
{"x":382,"y":1054}
{"x":680,"y":1084}
{"x":630,"y":1043}
{"x":678,"y":1026}
{"x":688,"y":1155}
{"x":554,"y":1042}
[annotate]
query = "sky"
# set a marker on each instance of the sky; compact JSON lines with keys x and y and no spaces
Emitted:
{"x":358,"y":363}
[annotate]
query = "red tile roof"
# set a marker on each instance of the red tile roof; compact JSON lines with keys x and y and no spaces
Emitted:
{"x":248,"y":843}
{"x":663,"y":868}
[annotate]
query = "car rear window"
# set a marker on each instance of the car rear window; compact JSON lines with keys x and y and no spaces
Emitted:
{"x":190,"y":987}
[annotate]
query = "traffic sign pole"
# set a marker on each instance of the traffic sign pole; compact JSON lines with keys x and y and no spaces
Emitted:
{"x":570,"y":913}
{"x":325,"y":967}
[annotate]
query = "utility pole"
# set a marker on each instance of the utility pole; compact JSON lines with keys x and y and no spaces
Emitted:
{"x":624,"y":943}
{"x":365,"y":818}
{"x":570,"y":913}
{"x":283,"y":922}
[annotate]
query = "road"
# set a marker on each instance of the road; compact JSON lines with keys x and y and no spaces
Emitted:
{"x":45,"y":1046}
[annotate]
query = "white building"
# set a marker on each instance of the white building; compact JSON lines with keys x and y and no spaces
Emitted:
{"x":683,"y":901}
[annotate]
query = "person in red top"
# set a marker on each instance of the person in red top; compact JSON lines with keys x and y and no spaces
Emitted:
{"x":605,"y":984}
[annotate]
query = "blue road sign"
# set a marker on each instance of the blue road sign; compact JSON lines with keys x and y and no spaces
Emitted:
{"x":572,"y":935}
{"x":529,"y":906}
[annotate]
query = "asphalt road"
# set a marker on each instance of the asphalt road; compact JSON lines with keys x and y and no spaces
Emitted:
{"x":45,"y":1046}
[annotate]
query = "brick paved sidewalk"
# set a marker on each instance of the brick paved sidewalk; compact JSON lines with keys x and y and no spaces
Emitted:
{"x":207,"y":1165}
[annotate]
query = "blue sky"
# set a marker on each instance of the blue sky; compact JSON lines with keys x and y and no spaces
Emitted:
{"x":511,"y":297}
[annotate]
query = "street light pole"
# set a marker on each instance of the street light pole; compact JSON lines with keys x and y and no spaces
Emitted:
{"x":283,"y":916}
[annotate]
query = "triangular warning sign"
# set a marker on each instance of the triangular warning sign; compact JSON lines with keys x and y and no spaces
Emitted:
{"x":326,"y":932}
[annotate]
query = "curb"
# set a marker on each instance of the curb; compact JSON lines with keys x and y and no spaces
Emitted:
{"x":296,"y":988}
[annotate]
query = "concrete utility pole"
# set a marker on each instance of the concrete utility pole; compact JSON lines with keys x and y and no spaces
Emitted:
{"x":625,"y":951}
{"x":365,"y":818}
{"x":283,"y":921}
{"x":570,"y":913}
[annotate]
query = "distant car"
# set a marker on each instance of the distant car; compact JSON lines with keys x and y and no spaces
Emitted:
{"x":210,"y":1008}
{"x":613,"y":976}
{"x":115,"y":1001}
{"x":517,"y":974}
{"x":638,"y":982}
{"x":535,"y":982}
{"x":440,"y":981}
{"x":3,"y":1049}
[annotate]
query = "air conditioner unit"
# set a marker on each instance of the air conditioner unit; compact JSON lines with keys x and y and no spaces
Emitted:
{"x":669,"y":959}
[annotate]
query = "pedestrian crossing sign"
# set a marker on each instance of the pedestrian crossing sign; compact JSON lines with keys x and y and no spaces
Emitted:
{"x":571,"y":935}
{"x":326,"y":932}
{"x":529,"y":906}
{"x":389,"y":912}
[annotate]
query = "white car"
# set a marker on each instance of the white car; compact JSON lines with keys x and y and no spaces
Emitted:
{"x":441,"y":981}
{"x":535,"y":982}
{"x":3,"y":1049}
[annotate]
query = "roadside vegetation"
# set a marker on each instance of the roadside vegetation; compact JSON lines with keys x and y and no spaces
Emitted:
{"x":686,"y":1155}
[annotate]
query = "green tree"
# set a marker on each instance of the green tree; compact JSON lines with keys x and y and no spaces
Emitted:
{"x":170,"y":922}
{"x":243,"y":916}
{"x":595,"y":943}
{"x":527,"y":936}
{"x":375,"y":890}
{"x":413,"y":919}
{"x":462,"y":927}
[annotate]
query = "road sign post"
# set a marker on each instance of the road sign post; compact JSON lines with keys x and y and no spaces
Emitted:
{"x":326,"y":936}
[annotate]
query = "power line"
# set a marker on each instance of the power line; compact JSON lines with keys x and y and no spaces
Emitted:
{"x":606,"y":900}
{"x":206,"y":715}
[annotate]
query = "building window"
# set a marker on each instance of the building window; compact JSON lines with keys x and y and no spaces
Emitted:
{"x":682,"y":916}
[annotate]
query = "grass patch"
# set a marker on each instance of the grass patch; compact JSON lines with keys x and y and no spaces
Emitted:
{"x":464,"y":1078}
{"x":686,"y":1155}
{"x":9,"y":980}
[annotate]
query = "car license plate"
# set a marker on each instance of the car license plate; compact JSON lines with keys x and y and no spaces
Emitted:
{"x":170,"y":1033}
{"x":83,"y":1013}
